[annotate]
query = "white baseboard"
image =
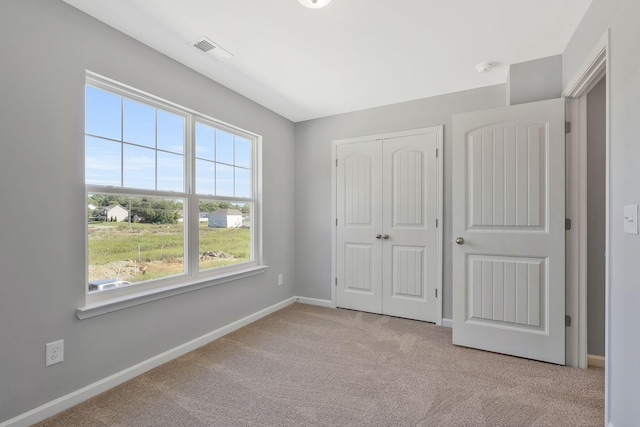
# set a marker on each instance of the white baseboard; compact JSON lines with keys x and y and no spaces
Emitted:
{"x":447,"y":323}
{"x":594,"y":361}
{"x":316,"y":301}
{"x":65,"y":402}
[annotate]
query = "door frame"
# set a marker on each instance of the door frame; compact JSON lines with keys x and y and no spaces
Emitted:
{"x":592,"y":70}
{"x":440,"y":201}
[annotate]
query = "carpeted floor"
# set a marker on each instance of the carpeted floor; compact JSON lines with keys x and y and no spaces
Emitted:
{"x":314,"y":366}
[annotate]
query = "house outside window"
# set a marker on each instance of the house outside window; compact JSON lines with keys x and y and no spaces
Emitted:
{"x":156,"y":176}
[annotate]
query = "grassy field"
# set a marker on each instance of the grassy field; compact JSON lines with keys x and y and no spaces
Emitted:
{"x":145,"y":251}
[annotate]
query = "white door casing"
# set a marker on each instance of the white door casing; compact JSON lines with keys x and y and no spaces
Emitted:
{"x":388,"y":201}
{"x":508,"y":209}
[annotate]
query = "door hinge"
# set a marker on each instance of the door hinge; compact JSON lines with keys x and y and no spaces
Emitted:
{"x":436,"y":293}
{"x":437,"y":152}
{"x":336,"y":281}
{"x":567,"y":223}
{"x":567,"y":127}
{"x":336,"y":162}
{"x":567,"y":320}
{"x":436,"y":222}
{"x":336,"y":222}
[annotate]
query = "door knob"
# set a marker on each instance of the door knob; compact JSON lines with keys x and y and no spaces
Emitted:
{"x":378,"y":236}
{"x":386,"y":236}
{"x":460,"y":240}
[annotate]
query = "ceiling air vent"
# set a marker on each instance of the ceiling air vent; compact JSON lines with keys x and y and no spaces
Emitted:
{"x":208,"y":46}
{"x":204,"y":45}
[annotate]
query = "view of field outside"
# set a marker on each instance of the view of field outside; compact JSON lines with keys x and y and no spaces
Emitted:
{"x":147,"y":241}
{"x":140,"y":144}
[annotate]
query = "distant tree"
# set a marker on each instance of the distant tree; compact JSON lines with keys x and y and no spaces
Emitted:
{"x":156,"y":211}
{"x":152,"y":210}
{"x":208,"y":206}
{"x":211,"y":206}
{"x":105,"y":200}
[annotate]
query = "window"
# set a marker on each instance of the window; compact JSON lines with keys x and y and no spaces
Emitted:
{"x":171,"y":194}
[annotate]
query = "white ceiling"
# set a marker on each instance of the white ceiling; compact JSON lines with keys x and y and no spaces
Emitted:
{"x":352,"y":54}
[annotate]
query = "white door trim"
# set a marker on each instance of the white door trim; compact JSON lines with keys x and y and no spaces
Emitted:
{"x":440,"y":201}
{"x":596,"y":65}
{"x":591,"y":70}
{"x":576,"y":238}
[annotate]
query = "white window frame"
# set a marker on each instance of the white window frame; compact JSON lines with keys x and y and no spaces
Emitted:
{"x":114,"y":299}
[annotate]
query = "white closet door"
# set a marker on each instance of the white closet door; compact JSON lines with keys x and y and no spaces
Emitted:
{"x":359,"y":217}
{"x":508,"y":221}
{"x":388,"y":243}
{"x":410,"y":210}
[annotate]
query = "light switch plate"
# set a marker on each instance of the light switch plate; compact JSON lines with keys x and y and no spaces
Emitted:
{"x":631,"y":219}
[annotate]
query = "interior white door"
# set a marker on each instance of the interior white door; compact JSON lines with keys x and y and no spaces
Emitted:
{"x":388,"y":244}
{"x":359,"y":226}
{"x":410,"y":211}
{"x":509,"y":230}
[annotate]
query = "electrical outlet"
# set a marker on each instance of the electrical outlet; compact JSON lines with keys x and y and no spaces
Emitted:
{"x":55,"y":352}
{"x":280,"y":280}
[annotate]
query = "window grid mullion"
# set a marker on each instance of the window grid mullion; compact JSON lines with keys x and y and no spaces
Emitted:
{"x":121,"y":141}
{"x":215,"y":161}
{"x":155,"y":129}
{"x":193,"y":242}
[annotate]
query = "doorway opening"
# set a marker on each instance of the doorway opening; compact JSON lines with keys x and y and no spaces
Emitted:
{"x":596,"y":223}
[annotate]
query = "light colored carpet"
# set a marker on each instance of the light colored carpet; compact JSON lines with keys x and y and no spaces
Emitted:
{"x":314,"y":366}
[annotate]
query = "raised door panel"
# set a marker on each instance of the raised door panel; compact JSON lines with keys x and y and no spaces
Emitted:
{"x":358,"y":267}
{"x":507,"y":177}
{"x":507,"y":290}
{"x":408,"y":267}
{"x":408,"y":188}
{"x":358,"y":187}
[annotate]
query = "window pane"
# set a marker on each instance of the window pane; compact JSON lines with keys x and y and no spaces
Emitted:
{"x":224,"y":147}
{"x":243,"y":183}
{"x":139,"y":123}
{"x":102,"y":161}
{"x":205,"y":177}
{"x":243,"y":153}
{"x":170,"y":172}
{"x":121,"y":252}
{"x":225,"y":234}
{"x":224,"y":180}
{"x":170,"y":132}
{"x":139,"y":167}
{"x":102,"y":113}
{"x":205,"y":142}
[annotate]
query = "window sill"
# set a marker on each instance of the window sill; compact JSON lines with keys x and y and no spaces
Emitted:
{"x":120,"y":303}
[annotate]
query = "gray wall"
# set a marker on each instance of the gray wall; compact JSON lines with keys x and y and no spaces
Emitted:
{"x":45,"y":47}
{"x":621,"y":16}
{"x":313,"y":176}
{"x":535,"y":80}
{"x":596,"y":220}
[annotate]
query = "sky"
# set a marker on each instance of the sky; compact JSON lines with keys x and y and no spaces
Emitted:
{"x":149,"y":144}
